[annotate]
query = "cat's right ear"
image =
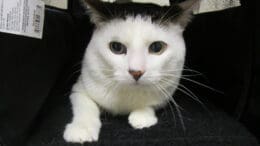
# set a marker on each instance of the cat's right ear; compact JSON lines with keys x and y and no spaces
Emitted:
{"x":98,"y":11}
{"x":187,"y":8}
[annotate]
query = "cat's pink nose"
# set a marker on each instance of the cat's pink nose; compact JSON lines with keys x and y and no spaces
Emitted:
{"x":136,"y":74}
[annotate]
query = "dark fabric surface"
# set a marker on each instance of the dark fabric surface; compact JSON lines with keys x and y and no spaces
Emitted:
{"x":218,"y":46}
{"x":29,"y":70}
{"x":210,"y":127}
{"x":252,"y":115}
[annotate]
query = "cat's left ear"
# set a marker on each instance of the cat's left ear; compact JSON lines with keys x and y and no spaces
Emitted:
{"x":187,"y":9}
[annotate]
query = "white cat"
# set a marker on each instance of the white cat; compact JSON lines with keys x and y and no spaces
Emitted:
{"x":132,"y":65}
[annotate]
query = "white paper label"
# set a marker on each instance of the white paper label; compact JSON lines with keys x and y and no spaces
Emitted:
{"x":216,"y":5}
{"x":62,"y":4}
{"x":22,"y":17}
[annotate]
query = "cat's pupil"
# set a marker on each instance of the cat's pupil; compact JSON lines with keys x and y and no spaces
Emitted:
{"x":117,"y":48}
{"x":157,"y":47}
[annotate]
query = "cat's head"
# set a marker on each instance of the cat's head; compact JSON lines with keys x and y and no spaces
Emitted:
{"x":137,"y":43}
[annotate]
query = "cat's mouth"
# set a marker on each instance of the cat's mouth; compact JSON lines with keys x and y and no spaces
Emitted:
{"x":129,"y":81}
{"x":138,"y":83}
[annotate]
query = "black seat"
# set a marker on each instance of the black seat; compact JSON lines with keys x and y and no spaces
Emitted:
{"x":36,"y":77}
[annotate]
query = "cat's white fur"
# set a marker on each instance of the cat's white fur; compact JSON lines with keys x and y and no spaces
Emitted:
{"x":105,"y":82}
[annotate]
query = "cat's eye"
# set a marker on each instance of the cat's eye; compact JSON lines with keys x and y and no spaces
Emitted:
{"x":117,"y":48}
{"x":157,"y":47}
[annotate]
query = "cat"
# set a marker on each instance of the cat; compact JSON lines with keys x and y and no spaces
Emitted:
{"x":132,"y":64}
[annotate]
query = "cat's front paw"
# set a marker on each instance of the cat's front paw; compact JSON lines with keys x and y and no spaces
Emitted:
{"x":82,"y":132}
{"x":142,"y":119}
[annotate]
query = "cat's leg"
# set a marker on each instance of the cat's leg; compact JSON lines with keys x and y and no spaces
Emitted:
{"x":86,"y":124}
{"x":142,"y":118}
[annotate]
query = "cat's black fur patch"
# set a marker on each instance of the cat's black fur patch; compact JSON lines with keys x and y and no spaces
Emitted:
{"x":108,"y":11}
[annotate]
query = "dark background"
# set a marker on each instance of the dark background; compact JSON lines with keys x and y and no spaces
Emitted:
{"x":252,"y":114}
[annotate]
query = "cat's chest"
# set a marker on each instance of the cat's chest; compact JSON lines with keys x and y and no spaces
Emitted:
{"x":123,"y":102}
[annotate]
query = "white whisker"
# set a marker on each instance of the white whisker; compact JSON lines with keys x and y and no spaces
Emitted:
{"x":193,"y":81}
{"x":188,"y":92}
{"x":165,"y":96}
{"x":176,"y":105}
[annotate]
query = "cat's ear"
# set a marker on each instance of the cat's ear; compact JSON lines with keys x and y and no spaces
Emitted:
{"x":98,"y":11}
{"x":187,"y":9}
